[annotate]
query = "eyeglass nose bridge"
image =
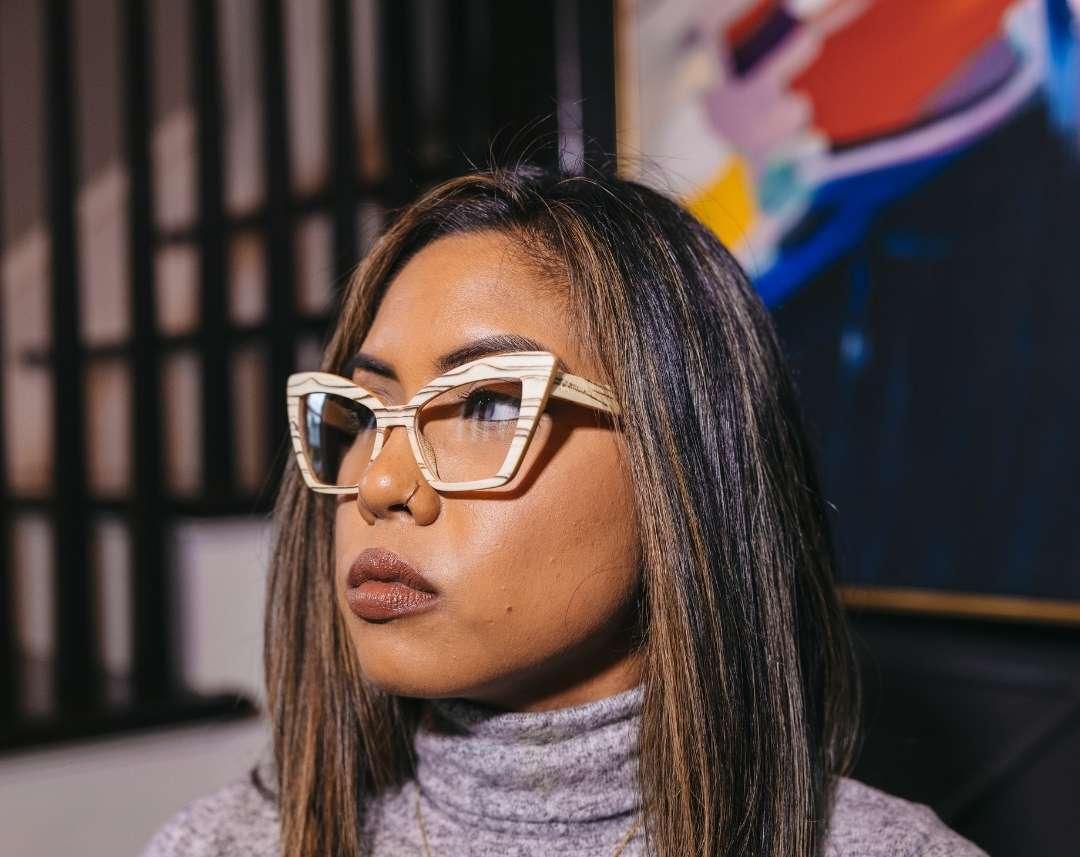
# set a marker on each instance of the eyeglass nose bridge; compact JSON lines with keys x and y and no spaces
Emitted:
{"x":397,"y":415}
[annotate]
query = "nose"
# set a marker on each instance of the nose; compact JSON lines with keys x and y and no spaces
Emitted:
{"x":392,"y":483}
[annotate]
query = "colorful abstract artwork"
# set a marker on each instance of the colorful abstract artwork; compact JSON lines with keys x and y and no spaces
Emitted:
{"x":902,"y":180}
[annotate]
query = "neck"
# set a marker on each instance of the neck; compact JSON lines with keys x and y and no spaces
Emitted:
{"x":565,"y":687}
{"x":561,"y":772}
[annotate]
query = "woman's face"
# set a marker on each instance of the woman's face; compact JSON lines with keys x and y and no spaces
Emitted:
{"x":537,"y":579}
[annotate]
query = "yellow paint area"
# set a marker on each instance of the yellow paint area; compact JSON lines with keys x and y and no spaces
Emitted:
{"x":727,"y":204}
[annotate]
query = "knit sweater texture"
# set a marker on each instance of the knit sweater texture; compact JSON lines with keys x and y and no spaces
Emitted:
{"x":494,"y":783}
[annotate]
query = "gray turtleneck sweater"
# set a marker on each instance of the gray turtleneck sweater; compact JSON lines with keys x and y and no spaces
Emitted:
{"x":524,"y":784}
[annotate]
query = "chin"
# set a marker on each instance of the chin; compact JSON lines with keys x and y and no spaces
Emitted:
{"x":402,"y":676}
{"x":396,"y":686}
{"x":399,"y":685}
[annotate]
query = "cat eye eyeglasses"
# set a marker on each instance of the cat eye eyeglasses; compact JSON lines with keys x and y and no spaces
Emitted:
{"x":468,"y":428}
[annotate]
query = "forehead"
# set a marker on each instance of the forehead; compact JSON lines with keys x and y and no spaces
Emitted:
{"x":463,"y":287}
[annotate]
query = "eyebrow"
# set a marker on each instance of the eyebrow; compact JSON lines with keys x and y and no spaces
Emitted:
{"x":493,"y":344}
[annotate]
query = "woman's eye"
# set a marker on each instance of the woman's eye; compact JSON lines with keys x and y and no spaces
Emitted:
{"x":491,"y":405}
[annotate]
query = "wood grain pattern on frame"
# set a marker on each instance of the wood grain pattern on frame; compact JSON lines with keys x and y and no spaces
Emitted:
{"x":538,"y":372}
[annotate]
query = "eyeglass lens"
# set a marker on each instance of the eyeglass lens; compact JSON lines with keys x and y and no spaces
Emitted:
{"x":465,"y":432}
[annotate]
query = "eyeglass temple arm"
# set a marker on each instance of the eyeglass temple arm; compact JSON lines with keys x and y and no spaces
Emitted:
{"x":576,"y":389}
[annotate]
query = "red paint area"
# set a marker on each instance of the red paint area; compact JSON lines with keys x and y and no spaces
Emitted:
{"x":873,"y":76}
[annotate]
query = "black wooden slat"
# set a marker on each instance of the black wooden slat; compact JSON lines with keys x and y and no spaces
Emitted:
{"x":596,"y":41}
{"x":153,"y":638}
{"x":342,"y":137}
{"x":9,"y":664}
{"x":397,"y":99}
{"x":469,"y":67}
{"x":523,"y":81}
{"x":76,"y":677}
{"x":280,"y":258}
{"x":217,"y":433}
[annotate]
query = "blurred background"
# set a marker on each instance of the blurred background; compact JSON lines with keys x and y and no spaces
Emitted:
{"x":185,"y":186}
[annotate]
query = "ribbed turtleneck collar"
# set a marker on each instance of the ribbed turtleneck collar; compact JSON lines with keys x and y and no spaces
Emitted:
{"x":564,"y":771}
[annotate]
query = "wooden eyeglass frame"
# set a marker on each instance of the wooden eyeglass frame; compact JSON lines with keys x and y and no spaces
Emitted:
{"x":539,"y":372}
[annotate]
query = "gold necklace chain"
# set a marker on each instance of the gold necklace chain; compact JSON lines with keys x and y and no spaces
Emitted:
{"x":427,"y":848}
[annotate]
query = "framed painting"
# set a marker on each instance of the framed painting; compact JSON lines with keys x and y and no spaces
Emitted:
{"x":902,"y":182}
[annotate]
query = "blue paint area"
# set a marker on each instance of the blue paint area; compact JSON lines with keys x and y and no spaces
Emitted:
{"x":853,"y":346}
{"x":1033,"y":517}
{"x":779,"y":185}
{"x":1062,"y":83}
{"x":855,"y":350}
{"x":793,"y":269}
{"x":911,"y":245}
{"x":892,"y":461}
{"x":854,"y":201}
{"x":854,"y":354}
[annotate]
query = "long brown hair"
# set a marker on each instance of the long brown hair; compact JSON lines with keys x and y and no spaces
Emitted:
{"x":751,"y":690}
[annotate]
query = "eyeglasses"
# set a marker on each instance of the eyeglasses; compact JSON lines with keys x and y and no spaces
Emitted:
{"x":468,"y":428}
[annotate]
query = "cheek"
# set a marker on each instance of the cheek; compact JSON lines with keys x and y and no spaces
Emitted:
{"x":559,"y":561}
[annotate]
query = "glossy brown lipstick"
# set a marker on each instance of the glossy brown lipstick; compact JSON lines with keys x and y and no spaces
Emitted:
{"x":381,"y":585}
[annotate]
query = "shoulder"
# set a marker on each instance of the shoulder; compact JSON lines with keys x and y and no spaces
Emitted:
{"x":867,"y":822}
{"x":236,"y":820}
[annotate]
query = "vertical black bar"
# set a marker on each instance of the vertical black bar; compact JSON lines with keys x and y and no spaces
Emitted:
{"x":596,"y":40}
{"x":280,"y":267}
{"x":469,"y":60}
{"x":153,"y":637}
{"x":217,"y":432}
{"x":9,"y":664}
{"x":524,"y":86}
{"x":342,"y":136}
{"x":397,"y":100}
{"x":77,"y":680}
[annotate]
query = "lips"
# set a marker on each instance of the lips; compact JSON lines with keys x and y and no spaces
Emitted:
{"x":382,"y":585}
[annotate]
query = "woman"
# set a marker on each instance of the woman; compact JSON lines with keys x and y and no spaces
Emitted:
{"x":583,"y":602}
